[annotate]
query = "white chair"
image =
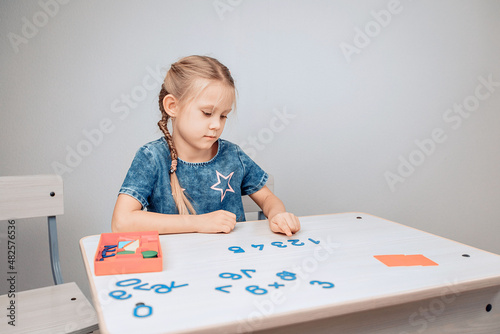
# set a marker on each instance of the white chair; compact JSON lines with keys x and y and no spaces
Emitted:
{"x":249,"y":205}
{"x":61,"y":308}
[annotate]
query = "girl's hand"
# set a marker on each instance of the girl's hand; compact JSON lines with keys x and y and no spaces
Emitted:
{"x":284,"y":222}
{"x":216,"y":222}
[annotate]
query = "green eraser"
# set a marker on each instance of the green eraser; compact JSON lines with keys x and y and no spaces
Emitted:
{"x":125,"y":252}
{"x":149,"y":254}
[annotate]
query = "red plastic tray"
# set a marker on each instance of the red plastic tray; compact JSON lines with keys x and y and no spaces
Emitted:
{"x":105,"y":263}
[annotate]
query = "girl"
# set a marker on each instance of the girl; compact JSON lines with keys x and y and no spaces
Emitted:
{"x":190,"y":180}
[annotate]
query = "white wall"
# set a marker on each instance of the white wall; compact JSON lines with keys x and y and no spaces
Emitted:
{"x":357,"y":106}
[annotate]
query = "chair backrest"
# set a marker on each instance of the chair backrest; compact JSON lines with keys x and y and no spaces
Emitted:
{"x":250,"y":206}
{"x":35,"y":196}
{"x":31,"y":196}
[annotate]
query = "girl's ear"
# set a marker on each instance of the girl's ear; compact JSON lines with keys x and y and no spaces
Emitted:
{"x":170,"y":105}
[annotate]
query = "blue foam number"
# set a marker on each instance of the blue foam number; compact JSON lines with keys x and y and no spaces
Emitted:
{"x":295,"y":242}
{"x":260,"y":247}
{"x":158,"y":288}
{"x":108,"y":251}
{"x":141,"y":287}
{"x":256,"y":290}
{"x":278,"y":244}
{"x":236,"y":249}
{"x":325,"y":285}
{"x":120,"y":295}
{"x":162,"y":288}
{"x":245,"y":272}
{"x":314,"y":241}
{"x":230,"y":275}
{"x":132,"y":281}
{"x":287,"y":276}
{"x":105,"y":254}
{"x":148,"y":310}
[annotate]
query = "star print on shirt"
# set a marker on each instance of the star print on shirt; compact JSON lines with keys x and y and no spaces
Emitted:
{"x":224,"y":186}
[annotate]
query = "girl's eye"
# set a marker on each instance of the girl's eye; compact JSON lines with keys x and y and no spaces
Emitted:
{"x":223,"y":116}
{"x":208,"y":114}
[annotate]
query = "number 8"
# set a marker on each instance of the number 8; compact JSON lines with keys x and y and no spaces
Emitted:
{"x":230,"y":275}
{"x":256,"y":290}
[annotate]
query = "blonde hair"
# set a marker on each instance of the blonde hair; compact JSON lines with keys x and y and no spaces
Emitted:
{"x":182,"y":81}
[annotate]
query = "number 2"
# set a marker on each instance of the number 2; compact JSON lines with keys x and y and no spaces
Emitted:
{"x":295,"y":242}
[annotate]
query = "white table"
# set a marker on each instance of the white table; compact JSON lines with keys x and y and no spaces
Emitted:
{"x":459,"y":295}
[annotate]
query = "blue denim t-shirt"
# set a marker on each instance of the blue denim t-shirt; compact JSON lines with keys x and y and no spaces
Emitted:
{"x":217,"y":184}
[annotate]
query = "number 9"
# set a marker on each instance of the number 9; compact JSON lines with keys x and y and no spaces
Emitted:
{"x":236,"y":249}
{"x":120,"y":294}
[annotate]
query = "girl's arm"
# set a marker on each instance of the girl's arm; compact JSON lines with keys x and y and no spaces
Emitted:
{"x":129,"y":216}
{"x":280,"y":221}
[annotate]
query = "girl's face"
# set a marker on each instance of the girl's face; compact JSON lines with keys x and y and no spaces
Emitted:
{"x":200,"y":123}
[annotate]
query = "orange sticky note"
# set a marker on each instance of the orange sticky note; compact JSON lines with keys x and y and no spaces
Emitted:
{"x":401,"y":260}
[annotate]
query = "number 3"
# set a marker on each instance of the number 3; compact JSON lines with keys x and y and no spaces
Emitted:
{"x":326,"y":285}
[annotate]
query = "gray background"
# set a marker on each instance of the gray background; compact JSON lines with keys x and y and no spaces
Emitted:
{"x":336,"y":99}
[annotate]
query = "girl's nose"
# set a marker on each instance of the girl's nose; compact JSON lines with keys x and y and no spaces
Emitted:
{"x":214,"y":123}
